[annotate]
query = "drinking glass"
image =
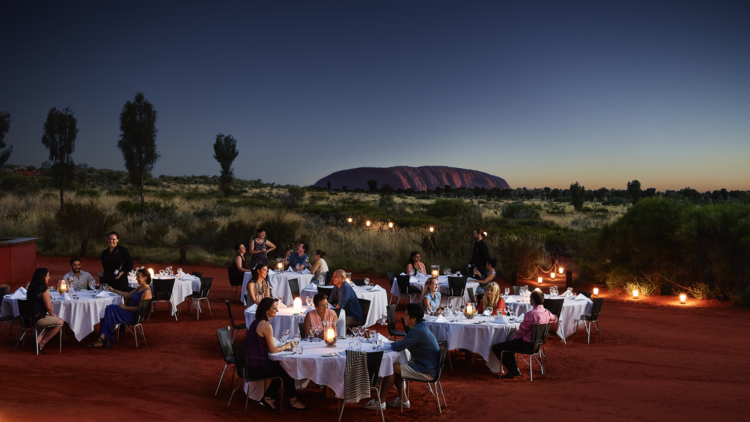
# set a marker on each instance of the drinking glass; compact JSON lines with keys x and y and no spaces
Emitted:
{"x":318,"y":330}
{"x":310,"y":337}
{"x":367,"y":282}
{"x":309,"y":301}
{"x":284,"y":336}
{"x":373,"y":336}
{"x":295,"y":341}
{"x":349,"y":340}
{"x":489,"y":308}
{"x":507,"y":291}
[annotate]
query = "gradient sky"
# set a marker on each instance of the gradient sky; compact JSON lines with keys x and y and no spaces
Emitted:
{"x":541,"y":93}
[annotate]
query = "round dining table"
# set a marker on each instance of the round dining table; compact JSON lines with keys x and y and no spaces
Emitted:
{"x":279,"y":283}
{"x":572,"y":310}
{"x":288,"y":319}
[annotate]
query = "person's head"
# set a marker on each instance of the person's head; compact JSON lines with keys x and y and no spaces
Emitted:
{"x":261,"y":233}
{"x":320,"y":301}
{"x":478,"y":234}
{"x":302,"y":248}
{"x":414,"y":258}
{"x":112,"y":239}
{"x":491,"y":294}
{"x":260,"y":272}
{"x":75,"y":264}
{"x":40,"y":277}
{"x":537,"y":298}
{"x":143,"y":276}
{"x":430,"y":286}
{"x":414,"y":314}
{"x":266,"y":309}
{"x":491,"y":263}
{"x":319,"y":254}
{"x":240,"y":248}
{"x":339,"y":277}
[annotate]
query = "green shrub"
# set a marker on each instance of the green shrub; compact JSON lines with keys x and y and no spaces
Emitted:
{"x":156,"y":208}
{"x":123,"y":192}
{"x":586,"y":209}
{"x":88,"y":193}
{"x":443,"y":208}
{"x":521,"y":211}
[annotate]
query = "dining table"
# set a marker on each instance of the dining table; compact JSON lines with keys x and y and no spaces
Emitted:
{"x":573,"y":308}
{"x":419,"y":281}
{"x":279,"y":283}
{"x":184,"y":286}
{"x":377,"y":296}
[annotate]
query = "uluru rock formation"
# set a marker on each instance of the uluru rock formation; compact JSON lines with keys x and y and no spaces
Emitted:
{"x":417,"y":178}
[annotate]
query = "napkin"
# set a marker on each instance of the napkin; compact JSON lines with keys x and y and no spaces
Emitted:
{"x":65,"y":296}
{"x":311,"y":287}
{"x":103,"y":294}
{"x":441,"y":319}
{"x":501,"y":320}
{"x":377,"y":288}
{"x":19,"y":294}
{"x":271,"y":272}
{"x":582,"y":297}
{"x":252,"y":308}
{"x":520,"y":317}
{"x":281,"y":305}
{"x":511,"y":299}
{"x":305,"y":271}
{"x":188,"y":277}
{"x":486,"y":312}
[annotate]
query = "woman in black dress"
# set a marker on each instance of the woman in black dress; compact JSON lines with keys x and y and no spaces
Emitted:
{"x":116,"y":263}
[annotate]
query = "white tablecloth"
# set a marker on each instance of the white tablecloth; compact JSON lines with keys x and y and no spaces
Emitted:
{"x":478,"y":338}
{"x":328,"y":371}
{"x":182,"y":288}
{"x":279,"y":285}
{"x":287,"y":320}
{"x":571,"y":312}
{"x":80,"y":315}
{"x":419,"y":283}
{"x":378,"y":303}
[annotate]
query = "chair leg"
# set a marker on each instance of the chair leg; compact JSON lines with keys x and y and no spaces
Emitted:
{"x":221,"y":379}
{"x":208,"y":303}
{"x":234,"y":389}
{"x":598,"y":331}
{"x":61,"y":336}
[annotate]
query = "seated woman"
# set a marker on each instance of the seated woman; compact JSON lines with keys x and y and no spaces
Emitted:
{"x":239,"y":266}
{"x":492,"y":299}
{"x":44,"y":315}
{"x":258,"y":288}
{"x":259,"y":343}
{"x":415,"y":265}
{"x":431,"y":296}
{"x":320,"y":269}
{"x":122,"y":314}
{"x":491,"y":263}
{"x":314,"y":319}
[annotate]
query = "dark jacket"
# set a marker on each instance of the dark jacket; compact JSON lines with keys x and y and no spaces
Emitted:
{"x":119,"y":259}
{"x":480,"y":256}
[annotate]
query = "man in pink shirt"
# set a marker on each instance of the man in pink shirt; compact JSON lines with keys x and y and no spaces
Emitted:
{"x":521,"y":341}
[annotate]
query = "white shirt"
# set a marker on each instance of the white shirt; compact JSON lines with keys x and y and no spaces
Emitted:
{"x":323,"y":266}
{"x":80,"y":281}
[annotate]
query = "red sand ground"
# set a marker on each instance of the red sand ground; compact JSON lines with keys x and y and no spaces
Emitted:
{"x":657,"y":362}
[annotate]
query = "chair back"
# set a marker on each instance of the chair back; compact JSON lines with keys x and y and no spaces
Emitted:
{"x":374,"y":359}
{"x":294,"y":287}
{"x":325,"y":290}
{"x":231,"y":318}
{"x":206,"y":283}
{"x":456,"y":286}
{"x":196,"y":274}
{"x":225,"y":341}
{"x":337,"y":311}
{"x":516,"y":290}
{"x":390,"y":310}
{"x":365,"y":305}
{"x":403,"y":284}
{"x":163,"y":288}
{"x":302,"y":333}
{"x":441,"y":363}
{"x":539,"y":335}
{"x":26,"y":313}
{"x":239,"y":352}
{"x":472,"y":298}
{"x":406,"y":328}
{"x":596,"y":308}
{"x":554,"y":306}
{"x":587,"y":294}
{"x":4,"y":290}
{"x":329,"y":275}
{"x":144,"y":306}
{"x":360,"y":282}
{"x":391,"y":276}
{"x":100,"y":274}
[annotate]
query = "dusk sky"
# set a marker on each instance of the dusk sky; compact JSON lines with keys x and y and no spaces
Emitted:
{"x":539,"y":93}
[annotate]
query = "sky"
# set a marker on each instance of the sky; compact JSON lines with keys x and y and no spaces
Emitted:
{"x":540,"y":93}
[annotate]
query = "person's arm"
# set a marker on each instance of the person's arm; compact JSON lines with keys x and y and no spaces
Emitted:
{"x":409,"y":340}
{"x":238,"y":264}
{"x":426,"y":302}
{"x":315,"y":268}
{"x":126,"y":295}
{"x":266,"y":331}
{"x":552,"y":317}
{"x":48,"y":303}
{"x":251,"y":293}
{"x":252,"y":248}
{"x":422,"y":268}
{"x":307,"y":324}
{"x":409,"y":269}
{"x":335,"y":317}
{"x":489,"y":279}
{"x":270,"y":246}
{"x":104,"y":267}
{"x":344,"y":295}
{"x":90,"y":279}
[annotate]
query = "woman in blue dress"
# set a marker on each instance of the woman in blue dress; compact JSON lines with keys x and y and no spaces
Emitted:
{"x":123,"y":314}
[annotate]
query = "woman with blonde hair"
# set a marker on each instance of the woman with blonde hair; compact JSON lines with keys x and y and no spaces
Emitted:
{"x":430,"y":299}
{"x":492,"y":299}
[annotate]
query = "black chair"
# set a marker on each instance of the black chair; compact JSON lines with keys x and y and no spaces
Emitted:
{"x":391,"y":276}
{"x":435,"y":381}
{"x":337,"y":311}
{"x":196,"y":274}
{"x":329,"y":277}
{"x":240,"y":367}
{"x":365,"y":305}
{"x":26,"y":314}
{"x":234,"y":326}
{"x":374,"y":360}
{"x":405,"y":289}
{"x":554,"y":306}
{"x":456,"y":288}
{"x":472,"y":298}
{"x":144,"y":307}
{"x":163,"y":294}
{"x":587,"y":294}
{"x":237,"y":284}
{"x":358,"y":282}
{"x":516,"y":290}
{"x":596,"y":309}
{"x":301,"y":328}
{"x":325,"y":290}
{"x":8,"y":319}
{"x":225,"y":341}
{"x":391,"y":312}
{"x":539,"y":335}
{"x":196,"y":297}
{"x":294,"y":287}
{"x":406,"y":327}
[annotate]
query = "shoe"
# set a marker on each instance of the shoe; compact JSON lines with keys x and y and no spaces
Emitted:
{"x":397,"y":403}
{"x":511,"y":375}
{"x":373,"y":404}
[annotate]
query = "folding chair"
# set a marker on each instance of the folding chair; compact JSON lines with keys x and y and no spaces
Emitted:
{"x":225,"y":341}
{"x":539,"y":335}
{"x":234,"y":326}
{"x":435,"y":381}
{"x":587,"y":320}
{"x":144,"y":307}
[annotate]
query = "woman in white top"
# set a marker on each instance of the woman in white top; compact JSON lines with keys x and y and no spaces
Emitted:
{"x":491,"y":263}
{"x":320,"y":268}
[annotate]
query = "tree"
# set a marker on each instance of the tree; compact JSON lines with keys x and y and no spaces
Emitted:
{"x":85,"y":222}
{"x":328,"y":185}
{"x":4,"y":128}
{"x":634,"y":191}
{"x":577,"y":195}
{"x":225,"y":151}
{"x":373,"y":185}
{"x":59,"y":137}
{"x":138,"y":139}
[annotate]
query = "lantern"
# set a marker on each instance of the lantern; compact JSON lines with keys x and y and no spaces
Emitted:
{"x":368,"y":223}
{"x":151,"y":271}
{"x":279,"y":264}
{"x":432,"y":229}
{"x":329,"y":335}
{"x":539,"y":280}
{"x":470,"y":311}
{"x":552,"y":274}
{"x":349,"y":219}
{"x":596,"y":291}
{"x":297,"y":304}
{"x":561,"y":270}
{"x":435,"y":270}
{"x":683,"y":298}
{"x":62,"y":286}
{"x":635,"y":294}
{"x":390,"y":225}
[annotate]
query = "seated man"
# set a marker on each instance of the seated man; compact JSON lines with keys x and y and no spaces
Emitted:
{"x":521,"y":341}
{"x":425,"y":357}
{"x":78,"y":278}
{"x":343,"y":297}
{"x":298,"y":260}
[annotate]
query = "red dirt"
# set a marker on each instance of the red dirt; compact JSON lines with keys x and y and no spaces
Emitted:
{"x":656,"y":363}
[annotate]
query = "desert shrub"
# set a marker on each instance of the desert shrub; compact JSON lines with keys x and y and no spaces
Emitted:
{"x":195,"y":195}
{"x":644,"y":287}
{"x":601,"y":210}
{"x":521,"y":211}
{"x":83,"y":222}
{"x":50,"y":195}
{"x":123,"y":192}
{"x":88,"y":193}
{"x":616,"y":200}
{"x":214,"y":212}
{"x":19,"y":184}
{"x":517,"y":253}
{"x":556,"y":209}
{"x":156,"y":208}
{"x":586,"y":209}
{"x":443,"y":208}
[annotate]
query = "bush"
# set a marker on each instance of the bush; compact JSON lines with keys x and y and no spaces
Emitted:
{"x":521,"y":211}
{"x":586,"y":209}
{"x":123,"y":192}
{"x":19,"y":184}
{"x":517,"y":253}
{"x":88,"y":193}
{"x":443,"y":208}
{"x":157,"y":208}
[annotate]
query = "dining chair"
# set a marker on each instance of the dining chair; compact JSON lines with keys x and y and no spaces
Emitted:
{"x":225,"y":341}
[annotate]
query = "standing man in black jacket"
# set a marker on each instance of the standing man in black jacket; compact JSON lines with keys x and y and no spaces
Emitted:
{"x":478,"y":263}
{"x":116,"y":263}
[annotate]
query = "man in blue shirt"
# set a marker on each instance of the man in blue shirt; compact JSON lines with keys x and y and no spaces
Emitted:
{"x":425,"y":357}
{"x":343,"y":297}
{"x":298,"y":260}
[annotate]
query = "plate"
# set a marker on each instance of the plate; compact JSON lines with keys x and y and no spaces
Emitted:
{"x":329,"y":355}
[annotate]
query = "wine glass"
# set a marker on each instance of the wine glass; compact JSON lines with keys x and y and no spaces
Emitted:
{"x":367,"y":282}
{"x":318,"y":330}
{"x":309,"y":301}
{"x":284,"y":336}
{"x":295,"y":341}
{"x":489,"y":309}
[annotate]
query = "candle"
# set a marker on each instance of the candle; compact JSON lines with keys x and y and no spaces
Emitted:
{"x":330,"y":336}
{"x":561,"y":270}
{"x":635,"y":294}
{"x":596,"y":291}
{"x":434,"y":273}
{"x":368,"y":223}
{"x":63,"y":286}
{"x":468,"y":308}
{"x":151,"y":271}
{"x":280,"y":266}
{"x":683,"y":298}
{"x":552,"y":274}
{"x":435,"y":270}
{"x":432,"y":229}
{"x":540,"y":280}
{"x":297,"y":304}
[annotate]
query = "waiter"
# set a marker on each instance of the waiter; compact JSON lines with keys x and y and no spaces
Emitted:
{"x":116,"y":263}
{"x":478,"y":263}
